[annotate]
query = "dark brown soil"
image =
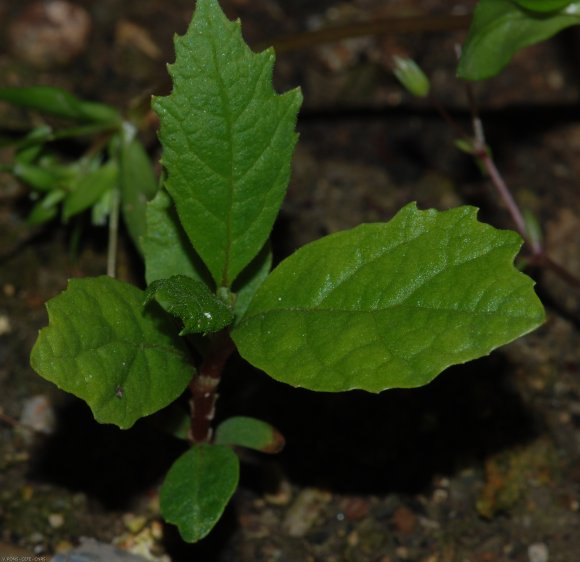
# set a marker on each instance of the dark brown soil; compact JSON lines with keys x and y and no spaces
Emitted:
{"x":479,"y":466}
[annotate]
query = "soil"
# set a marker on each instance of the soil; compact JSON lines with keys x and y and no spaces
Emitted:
{"x":479,"y":466}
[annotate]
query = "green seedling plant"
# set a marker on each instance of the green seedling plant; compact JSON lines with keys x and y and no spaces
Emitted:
{"x":384,"y":305}
{"x":113,"y":177}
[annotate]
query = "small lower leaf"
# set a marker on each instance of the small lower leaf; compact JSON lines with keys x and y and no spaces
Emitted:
{"x":101,"y":346}
{"x":197,"y":489}
{"x":192,"y":302}
{"x":250,"y":433}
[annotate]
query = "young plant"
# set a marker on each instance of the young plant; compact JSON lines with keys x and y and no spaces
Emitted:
{"x":380,"y":306}
{"x":113,"y":176}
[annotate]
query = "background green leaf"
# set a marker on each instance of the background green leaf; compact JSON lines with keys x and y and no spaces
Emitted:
{"x":500,"y":28}
{"x":192,"y":302}
{"x":389,"y":305}
{"x":197,"y":489}
{"x":138,"y":186}
{"x":60,"y":103}
{"x":166,"y":249}
{"x":46,"y":209}
{"x":37,"y":177}
{"x":102,"y":346}
{"x":89,"y":188}
{"x":543,"y":5}
{"x":227,"y":142}
{"x":249,"y":281}
{"x":250,"y":433}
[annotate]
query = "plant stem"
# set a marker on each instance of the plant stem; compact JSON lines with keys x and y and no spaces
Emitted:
{"x":483,"y":155}
{"x":113,"y":234}
{"x":204,"y":385}
{"x":376,"y":26}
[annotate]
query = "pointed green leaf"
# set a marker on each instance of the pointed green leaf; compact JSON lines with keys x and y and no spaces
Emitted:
{"x":166,"y":249}
{"x":101,"y":346}
{"x":46,"y":209}
{"x":61,"y":103}
{"x":197,"y":489}
{"x":192,"y":302}
{"x":138,"y":186}
{"x":89,"y":188}
{"x":500,"y":28}
{"x":29,"y":147}
{"x":389,"y":305}
{"x":227,"y":142}
{"x":37,"y":177}
{"x":250,"y":433}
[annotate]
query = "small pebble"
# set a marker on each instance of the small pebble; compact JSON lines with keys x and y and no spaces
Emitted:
{"x":56,"y":520}
{"x":402,"y":552}
{"x":440,"y":495}
{"x":281,"y":496}
{"x":5,"y":325}
{"x":134,"y":523}
{"x":50,"y":33}
{"x":63,"y":546}
{"x":38,"y":414}
{"x":36,"y":538}
{"x":404,"y":520}
{"x":354,"y":508}
{"x":8,"y":289}
{"x":538,"y":552}
{"x":305,"y":511}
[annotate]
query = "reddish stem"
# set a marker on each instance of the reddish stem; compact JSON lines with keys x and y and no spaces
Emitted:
{"x":482,"y":154}
{"x":204,"y":385}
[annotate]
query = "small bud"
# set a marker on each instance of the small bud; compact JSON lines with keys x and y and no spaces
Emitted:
{"x":465,"y":145}
{"x":411,"y":76}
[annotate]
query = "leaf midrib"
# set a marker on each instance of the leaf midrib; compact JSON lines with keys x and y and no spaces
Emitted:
{"x":230,"y":177}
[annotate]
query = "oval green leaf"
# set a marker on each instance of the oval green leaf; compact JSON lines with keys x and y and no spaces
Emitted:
{"x":500,"y":28}
{"x":197,"y":489}
{"x":389,"y":305}
{"x":250,"y":433}
{"x":227,"y":142}
{"x":101,"y":346}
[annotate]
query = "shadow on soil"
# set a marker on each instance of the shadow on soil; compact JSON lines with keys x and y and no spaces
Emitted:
{"x":396,"y":441}
{"x":354,"y":442}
